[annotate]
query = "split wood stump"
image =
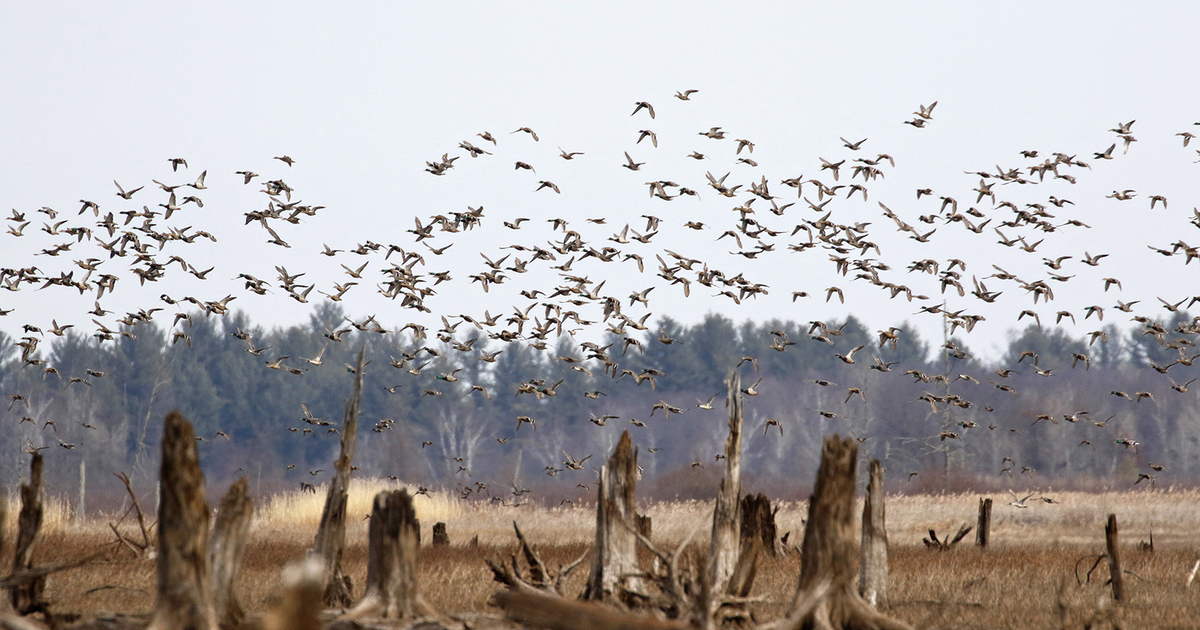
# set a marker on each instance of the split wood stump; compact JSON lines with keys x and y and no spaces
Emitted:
{"x":724,"y":549}
{"x":616,"y":527}
{"x":826,"y":596}
{"x":441,"y":538}
{"x":391,"y":590}
{"x":872,"y":584}
{"x":330,"y":541}
{"x":184,"y":583}
{"x":27,"y":598}
{"x":1114,"y":559}
{"x":983,"y":528}
{"x":225,"y":552}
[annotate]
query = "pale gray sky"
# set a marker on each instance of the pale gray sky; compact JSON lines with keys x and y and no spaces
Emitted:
{"x":361,"y":95}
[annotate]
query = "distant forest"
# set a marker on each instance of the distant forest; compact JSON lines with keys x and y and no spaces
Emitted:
{"x":442,"y":411}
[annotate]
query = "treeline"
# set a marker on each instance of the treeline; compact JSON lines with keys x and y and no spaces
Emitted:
{"x":443,"y":410}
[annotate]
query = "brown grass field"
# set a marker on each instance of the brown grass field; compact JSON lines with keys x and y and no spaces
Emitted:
{"x":1026,"y":579}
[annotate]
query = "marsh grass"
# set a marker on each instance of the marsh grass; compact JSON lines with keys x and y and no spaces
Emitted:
{"x":1026,"y":579}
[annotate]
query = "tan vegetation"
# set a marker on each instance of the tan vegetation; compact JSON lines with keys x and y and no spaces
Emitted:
{"x":1016,"y":583}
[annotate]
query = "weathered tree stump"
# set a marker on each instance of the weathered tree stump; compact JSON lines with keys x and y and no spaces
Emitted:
{"x":873,"y":581}
{"x":983,"y":528}
{"x":826,"y":596}
{"x":184,"y":584}
{"x":645,"y":526}
{"x":616,"y":537}
{"x":300,"y":607}
{"x":330,"y":541}
{"x":758,"y":520}
{"x":440,"y":537}
{"x":723,"y":549}
{"x":391,"y":590}
{"x":225,"y":552}
{"x":1114,"y":559}
{"x":27,"y":598}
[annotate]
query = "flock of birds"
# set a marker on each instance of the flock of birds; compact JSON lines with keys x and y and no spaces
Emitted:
{"x":143,"y":241}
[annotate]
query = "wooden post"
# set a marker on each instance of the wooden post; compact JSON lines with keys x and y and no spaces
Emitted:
{"x":81,"y":509}
{"x":184,"y":584}
{"x":392,"y":560}
{"x":983,"y":528}
{"x":723,"y":550}
{"x":331,"y":534}
{"x":440,"y":537}
{"x":27,"y":598}
{"x":616,"y":542}
{"x":1114,"y":559}
{"x":825,"y":595}
{"x":872,"y":583}
{"x":225,"y":553}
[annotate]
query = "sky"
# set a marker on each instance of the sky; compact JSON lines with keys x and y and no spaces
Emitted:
{"x":363,"y":95}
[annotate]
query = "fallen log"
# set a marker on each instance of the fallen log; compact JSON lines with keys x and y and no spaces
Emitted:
{"x":184,"y":583}
{"x":557,"y":613}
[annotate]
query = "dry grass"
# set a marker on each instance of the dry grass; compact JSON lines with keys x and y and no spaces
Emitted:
{"x":1027,"y":579}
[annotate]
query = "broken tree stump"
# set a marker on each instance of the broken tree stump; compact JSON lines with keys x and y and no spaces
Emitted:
{"x":826,"y":596}
{"x":1114,"y":559}
{"x":440,"y":537}
{"x":758,"y":520}
{"x":616,"y":538}
{"x":391,"y":590}
{"x":983,"y":528}
{"x":27,"y":598}
{"x":300,"y":606}
{"x":184,"y":584}
{"x":724,"y":547}
{"x":225,"y":552}
{"x":330,"y":541}
{"x":872,"y":583}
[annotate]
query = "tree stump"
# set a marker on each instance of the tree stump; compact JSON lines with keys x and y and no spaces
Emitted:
{"x":723,"y":550}
{"x":826,"y":596}
{"x":27,"y":598}
{"x":1114,"y":559}
{"x":758,"y":521}
{"x":228,"y":543}
{"x":184,"y":584}
{"x":300,"y":606}
{"x":616,"y":540}
{"x":873,"y":581}
{"x":392,"y":561}
{"x":331,"y":534}
{"x":440,"y":537}
{"x":983,"y":528}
